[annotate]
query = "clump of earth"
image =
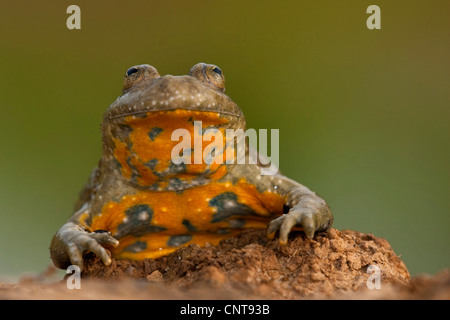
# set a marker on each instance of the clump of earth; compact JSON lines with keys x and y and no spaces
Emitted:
{"x":252,"y":265}
{"x":334,"y":265}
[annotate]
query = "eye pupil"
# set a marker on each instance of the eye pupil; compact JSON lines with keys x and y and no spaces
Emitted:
{"x":131,"y":71}
{"x":217,"y":70}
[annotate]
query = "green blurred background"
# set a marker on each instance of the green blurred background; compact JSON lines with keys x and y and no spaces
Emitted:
{"x":363,"y":114}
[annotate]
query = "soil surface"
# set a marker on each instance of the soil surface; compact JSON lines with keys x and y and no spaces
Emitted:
{"x":335,"y":265}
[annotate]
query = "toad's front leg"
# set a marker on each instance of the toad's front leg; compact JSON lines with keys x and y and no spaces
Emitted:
{"x":73,"y":240}
{"x":305,"y":209}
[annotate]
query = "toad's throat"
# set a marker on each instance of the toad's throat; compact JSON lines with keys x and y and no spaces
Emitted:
{"x":132,"y":112}
{"x":145,"y":147}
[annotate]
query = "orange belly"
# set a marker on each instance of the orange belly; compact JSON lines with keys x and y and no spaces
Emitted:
{"x":151,"y":224}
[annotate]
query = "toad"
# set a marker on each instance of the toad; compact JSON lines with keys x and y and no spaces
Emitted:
{"x":139,"y":203}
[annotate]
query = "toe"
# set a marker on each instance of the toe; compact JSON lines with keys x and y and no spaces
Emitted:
{"x":308,"y":225}
{"x":99,"y":251}
{"x":76,"y":257}
{"x":286,"y":227}
{"x":105,"y":238}
{"x":274,"y":226}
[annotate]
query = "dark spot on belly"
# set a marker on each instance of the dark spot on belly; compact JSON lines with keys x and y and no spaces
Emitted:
{"x":175,"y":184}
{"x":138,"y":209}
{"x":117,"y":164}
{"x":236,"y":223}
{"x":186,"y":152}
{"x":151,"y":163}
{"x":178,"y":240}
{"x":223,"y":231}
{"x":177,"y":168}
{"x":227,"y":205}
{"x":189,"y":226}
{"x":172,"y":169}
{"x":154,"y":133}
{"x":136,"y":247}
{"x":138,"y":222}
{"x":134,"y":171}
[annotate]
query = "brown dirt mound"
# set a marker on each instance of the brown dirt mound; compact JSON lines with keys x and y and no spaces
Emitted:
{"x":250,"y":265}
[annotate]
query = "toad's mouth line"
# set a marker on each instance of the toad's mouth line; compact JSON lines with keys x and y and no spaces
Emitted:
{"x":138,"y":112}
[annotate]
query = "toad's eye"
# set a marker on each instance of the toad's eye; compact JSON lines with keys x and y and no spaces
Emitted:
{"x":132,"y":70}
{"x":217,"y":70}
{"x":139,"y":75}
{"x":209,"y":74}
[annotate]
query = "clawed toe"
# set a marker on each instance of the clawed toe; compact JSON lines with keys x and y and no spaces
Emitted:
{"x":304,"y":218}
